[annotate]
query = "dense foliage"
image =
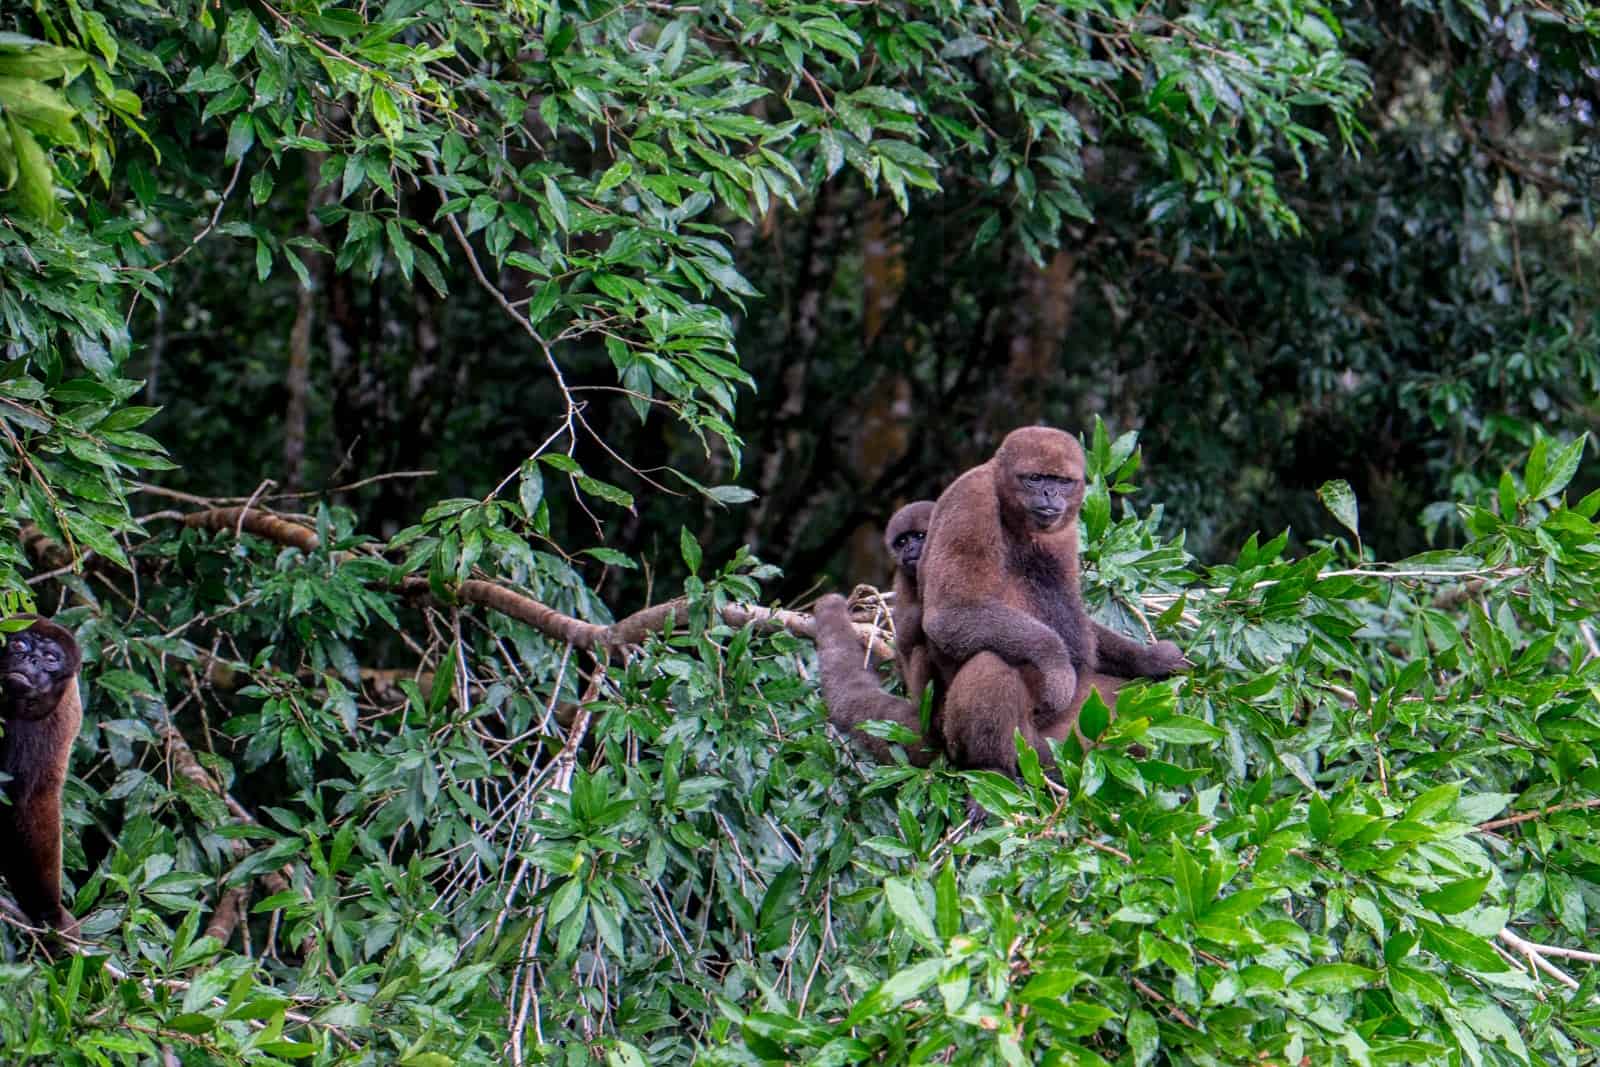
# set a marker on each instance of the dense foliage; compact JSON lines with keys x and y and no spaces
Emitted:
{"x":666,"y":294}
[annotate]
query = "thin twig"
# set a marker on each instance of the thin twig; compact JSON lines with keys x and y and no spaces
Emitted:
{"x":1172,"y":1008}
{"x":211,"y":224}
{"x":1529,"y":816}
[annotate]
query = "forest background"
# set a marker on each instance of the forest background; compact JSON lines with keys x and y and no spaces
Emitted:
{"x":366,"y":362}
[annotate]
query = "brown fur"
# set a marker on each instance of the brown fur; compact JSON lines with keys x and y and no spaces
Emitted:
{"x":851,"y":690}
{"x":990,"y":691}
{"x":1002,"y":609}
{"x":41,"y":710}
{"x":904,"y":538}
{"x":849,"y":684}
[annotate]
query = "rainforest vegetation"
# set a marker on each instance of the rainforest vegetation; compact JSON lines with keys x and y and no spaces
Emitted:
{"x":436,"y":418}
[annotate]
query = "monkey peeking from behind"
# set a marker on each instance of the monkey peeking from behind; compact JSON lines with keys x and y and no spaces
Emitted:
{"x":850,"y":686}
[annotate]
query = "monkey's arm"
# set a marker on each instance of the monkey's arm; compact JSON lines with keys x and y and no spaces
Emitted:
{"x":910,"y":647}
{"x":961,"y":630}
{"x":915,"y":674}
{"x":851,"y":689}
{"x":1127,"y":658}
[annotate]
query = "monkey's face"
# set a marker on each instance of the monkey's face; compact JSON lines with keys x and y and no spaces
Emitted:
{"x":1041,"y":473}
{"x":907,"y":550}
{"x":1050,"y":500}
{"x":903,"y":537}
{"x":34,"y":667}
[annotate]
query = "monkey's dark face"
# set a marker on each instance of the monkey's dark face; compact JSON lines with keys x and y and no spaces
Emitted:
{"x":905,"y":534}
{"x":1041,"y":473}
{"x":907,"y":550}
{"x":35,"y":666}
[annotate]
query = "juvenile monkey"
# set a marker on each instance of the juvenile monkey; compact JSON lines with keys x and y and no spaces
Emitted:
{"x":41,"y":713}
{"x":1002,"y":609}
{"x":904,"y":537}
{"x":850,"y":687}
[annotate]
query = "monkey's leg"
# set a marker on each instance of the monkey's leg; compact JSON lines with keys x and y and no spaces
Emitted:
{"x":987,"y":702}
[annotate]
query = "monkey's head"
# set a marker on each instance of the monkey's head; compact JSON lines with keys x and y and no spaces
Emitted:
{"x":36,"y":666}
{"x":1039,"y":477}
{"x":905,"y":534}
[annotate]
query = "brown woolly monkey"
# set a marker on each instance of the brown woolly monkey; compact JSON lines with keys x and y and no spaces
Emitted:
{"x":904,"y":538}
{"x":41,"y":712}
{"x":999,"y":580}
{"x":852,"y":692}
{"x":851,"y":689}
{"x":849,"y":685}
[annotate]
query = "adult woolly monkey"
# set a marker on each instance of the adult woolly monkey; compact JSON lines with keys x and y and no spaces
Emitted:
{"x":41,"y":712}
{"x":999,"y":579}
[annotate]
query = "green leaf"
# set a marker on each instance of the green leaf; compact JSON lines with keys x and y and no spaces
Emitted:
{"x":335,"y":22}
{"x":1094,"y":716}
{"x":1461,"y":948}
{"x":241,"y":136}
{"x":240,"y":36}
{"x":561,"y":462}
{"x":1562,"y":469}
{"x":1189,"y":881}
{"x":544,"y":302}
{"x":557,"y":203}
{"x":730,"y":494}
{"x":615,"y":175}
{"x":1184,"y":730}
{"x":531,"y":490}
{"x":1340,"y":500}
{"x":605,"y":491}
{"x":947,"y":901}
{"x":1456,"y":897}
{"x":39,"y":107}
{"x":1333,"y":978}
{"x":896,"y":990}
{"x":35,"y":186}
{"x":386,"y":114}
{"x":1434,"y":802}
{"x":906,"y":904}
{"x":690,"y":549}
{"x":1533,"y":477}
{"x":611,"y":557}
{"x":192,"y":1023}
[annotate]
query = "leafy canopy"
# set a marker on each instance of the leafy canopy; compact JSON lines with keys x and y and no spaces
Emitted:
{"x":1348,"y":836}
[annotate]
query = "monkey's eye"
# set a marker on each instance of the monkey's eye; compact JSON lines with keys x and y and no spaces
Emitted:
{"x":1033,"y":479}
{"x":20,"y":644}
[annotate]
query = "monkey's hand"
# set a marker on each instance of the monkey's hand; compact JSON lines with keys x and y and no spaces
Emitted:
{"x":1056,"y":690}
{"x":1164,"y":658}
